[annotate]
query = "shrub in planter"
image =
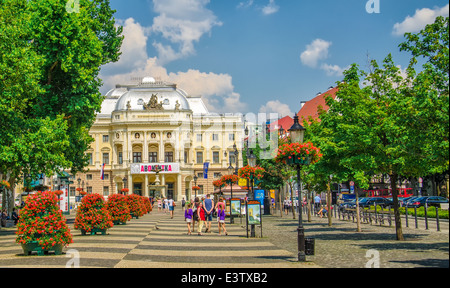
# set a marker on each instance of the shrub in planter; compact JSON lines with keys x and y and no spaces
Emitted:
{"x":42,"y":226}
{"x":137,"y":208}
{"x":147,"y":204}
{"x":118,"y":208}
{"x":92,"y":215}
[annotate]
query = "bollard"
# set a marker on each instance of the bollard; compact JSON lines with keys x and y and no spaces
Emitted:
{"x":406,"y":216}
{"x":437,"y":219}
{"x":415,"y":212}
{"x":426,"y":216}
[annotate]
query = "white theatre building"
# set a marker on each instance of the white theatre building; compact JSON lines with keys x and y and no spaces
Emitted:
{"x":154,"y":124}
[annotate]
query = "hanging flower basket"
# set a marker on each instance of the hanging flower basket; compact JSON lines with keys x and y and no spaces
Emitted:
{"x":42,"y":227}
{"x":219,"y":183}
{"x":118,"y":208}
{"x":83,"y":193}
{"x":230,"y":179}
{"x":124,"y":190}
{"x":196,"y":188}
{"x":249,"y":172}
{"x":93,"y":216}
{"x":298,"y":154}
{"x":79,"y":189}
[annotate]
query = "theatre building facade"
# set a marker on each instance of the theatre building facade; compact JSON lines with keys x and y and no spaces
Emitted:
{"x":154,"y":126}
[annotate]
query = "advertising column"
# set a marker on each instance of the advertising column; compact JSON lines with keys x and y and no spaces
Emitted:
{"x":64,"y":200}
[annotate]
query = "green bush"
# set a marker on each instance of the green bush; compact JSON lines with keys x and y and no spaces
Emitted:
{"x":443,"y":214}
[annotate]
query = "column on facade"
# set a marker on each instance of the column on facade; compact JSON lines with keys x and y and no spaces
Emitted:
{"x":179,"y":187}
{"x":163,"y":183}
{"x":146,"y":192}
{"x":161,"y":148}
{"x":145,"y":148}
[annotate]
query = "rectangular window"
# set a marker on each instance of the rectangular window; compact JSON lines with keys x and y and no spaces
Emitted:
{"x":89,"y":189}
{"x":105,"y":138}
{"x":215,"y":137}
{"x":186,"y":157}
{"x":168,"y":157}
{"x":91,"y":161}
{"x":106,"y":177}
{"x":217,"y":175}
{"x":88,"y":177}
{"x":106,"y":158}
{"x":153,"y":157}
{"x":137,"y":157}
{"x":199,"y":138}
{"x":72,"y":191}
{"x":105,"y":190}
{"x":120,"y":158}
{"x":231,"y":137}
{"x":216,"y":157}
{"x":199,"y":157}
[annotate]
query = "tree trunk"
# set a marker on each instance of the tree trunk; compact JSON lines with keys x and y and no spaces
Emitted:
{"x":398,"y":220}
{"x":281,"y":204}
{"x":358,"y":222}
{"x":330,"y":221}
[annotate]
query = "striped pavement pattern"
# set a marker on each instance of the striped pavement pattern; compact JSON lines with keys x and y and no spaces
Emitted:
{"x":155,"y":241}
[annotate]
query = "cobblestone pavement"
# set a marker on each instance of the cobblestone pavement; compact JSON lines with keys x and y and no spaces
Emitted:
{"x":156,"y":241}
{"x":340,"y":246}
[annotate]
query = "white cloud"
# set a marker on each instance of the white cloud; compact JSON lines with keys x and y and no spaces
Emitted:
{"x":247,"y":4}
{"x":217,"y":90}
{"x":181,"y":23}
{"x":333,"y":70}
{"x":421,"y":18}
{"x":316,"y":51}
{"x":276,"y":107}
{"x":270,"y":8}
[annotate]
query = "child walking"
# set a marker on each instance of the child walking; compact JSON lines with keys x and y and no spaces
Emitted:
{"x":221,"y":219}
{"x":201,"y":218}
{"x":188,"y":214}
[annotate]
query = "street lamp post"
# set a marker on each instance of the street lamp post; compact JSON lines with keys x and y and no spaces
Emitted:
{"x":230,"y":172}
{"x":252,"y":163}
{"x":297,"y":133}
{"x":195,"y":184}
{"x":125,"y":179}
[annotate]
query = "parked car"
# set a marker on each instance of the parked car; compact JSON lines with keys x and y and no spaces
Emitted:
{"x":347,"y":205}
{"x":434,"y":201}
{"x":380,"y":201}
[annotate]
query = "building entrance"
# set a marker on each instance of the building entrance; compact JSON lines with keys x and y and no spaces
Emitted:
{"x":137,"y":188}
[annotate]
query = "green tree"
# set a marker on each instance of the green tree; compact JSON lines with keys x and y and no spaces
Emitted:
{"x":74,"y":45}
{"x":393,"y":125}
{"x":49,"y":85}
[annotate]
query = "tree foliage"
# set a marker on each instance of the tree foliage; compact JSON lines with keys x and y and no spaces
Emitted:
{"x":49,"y":85}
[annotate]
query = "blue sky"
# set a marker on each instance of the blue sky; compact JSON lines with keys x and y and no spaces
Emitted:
{"x":260,"y":55}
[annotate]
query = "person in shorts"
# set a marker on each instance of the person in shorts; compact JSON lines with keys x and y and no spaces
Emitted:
{"x":188,"y":215}
{"x":221,"y":219}
{"x":209,"y":209}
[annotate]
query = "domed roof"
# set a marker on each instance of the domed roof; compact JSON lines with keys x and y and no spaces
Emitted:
{"x":149,"y":92}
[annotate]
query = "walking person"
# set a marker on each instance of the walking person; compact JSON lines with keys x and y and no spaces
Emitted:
{"x":201,"y":218}
{"x":221,"y":218}
{"x":183,"y":203}
{"x":317,"y":201}
{"x":159,"y":205}
{"x":195,"y":204}
{"x":209,"y":209}
{"x":188,"y":215}
{"x":171,"y":205}
{"x":166,"y":205}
